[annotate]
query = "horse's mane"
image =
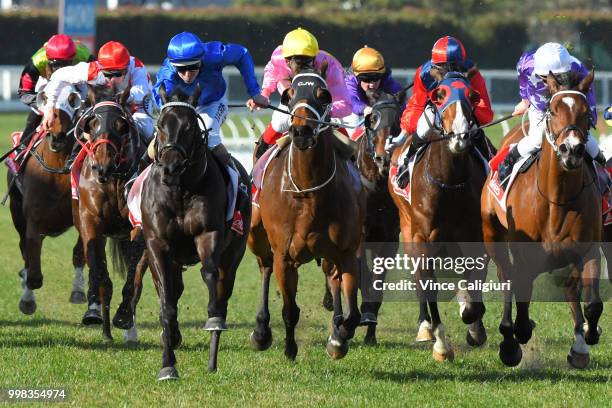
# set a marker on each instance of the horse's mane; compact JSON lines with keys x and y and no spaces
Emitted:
{"x":568,"y":80}
{"x":378,"y":95}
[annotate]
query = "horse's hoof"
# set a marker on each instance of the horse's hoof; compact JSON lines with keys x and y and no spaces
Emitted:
{"x":77,"y":297}
{"x":425,"y":333}
{"x":510,"y":353}
{"x":477,"y":337}
{"x":107,"y":337}
{"x":336,"y":349}
{"x":261,"y":342}
{"x":449,"y":355}
{"x":578,"y":360}
{"x":368,"y":319}
{"x":215,"y":324}
{"x":92,"y":317}
{"x":168,"y":373}
{"x":370,"y":341}
{"x":123,"y":319}
{"x":328,"y":302}
{"x":27,"y":307}
{"x":291,"y":350}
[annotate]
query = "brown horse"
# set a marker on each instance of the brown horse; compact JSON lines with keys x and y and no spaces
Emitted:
{"x":40,"y":201}
{"x":553,"y":214}
{"x":310,"y":209}
{"x":184,"y":204}
{"x":101,"y":210}
{"x":445,"y":207}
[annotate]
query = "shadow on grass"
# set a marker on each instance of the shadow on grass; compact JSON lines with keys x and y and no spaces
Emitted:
{"x":37,"y":322}
{"x":586,"y":376}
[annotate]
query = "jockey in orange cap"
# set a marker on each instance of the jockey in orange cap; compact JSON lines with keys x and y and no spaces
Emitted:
{"x":447,"y":55}
{"x":59,"y":51}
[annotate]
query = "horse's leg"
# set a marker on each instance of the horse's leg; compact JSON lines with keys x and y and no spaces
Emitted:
{"x":131,"y":335}
{"x":328,"y":301}
{"x":168,"y":279}
{"x":93,"y":313}
{"x":472,"y":309}
{"x":442,"y":349}
{"x":287,"y":280}
{"x":32,"y":276}
{"x":371,"y":300}
{"x":593,"y":307}
{"x":261,"y":337}
{"x":27,"y":303}
{"x":523,"y":325}
{"x":344,"y":330}
{"x":578,"y":356}
{"x":77,"y":296}
{"x":96,"y":261}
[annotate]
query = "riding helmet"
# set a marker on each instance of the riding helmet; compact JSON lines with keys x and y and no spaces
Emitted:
{"x":448,"y":50}
{"x":60,"y":47}
{"x":113,"y":56}
{"x":300,"y":42}
{"x":551,"y":57}
{"x":368,"y":61}
{"x":185,"y":49}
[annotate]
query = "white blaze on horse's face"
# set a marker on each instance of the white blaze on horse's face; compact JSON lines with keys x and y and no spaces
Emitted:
{"x":460,"y":126}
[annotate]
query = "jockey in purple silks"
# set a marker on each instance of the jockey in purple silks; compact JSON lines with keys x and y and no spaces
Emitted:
{"x":532,"y":69}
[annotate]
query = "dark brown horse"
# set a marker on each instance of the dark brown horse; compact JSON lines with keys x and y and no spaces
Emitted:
{"x":101,"y":210}
{"x":40,"y":201}
{"x":445,"y":207}
{"x":310,"y":209}
{"x":553,"y":214}
{"x":184,"y":205}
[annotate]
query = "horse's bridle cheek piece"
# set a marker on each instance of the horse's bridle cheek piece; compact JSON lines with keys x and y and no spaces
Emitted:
{"x":551,"y":137}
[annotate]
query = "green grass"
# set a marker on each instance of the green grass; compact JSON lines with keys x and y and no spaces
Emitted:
{"x":51,"y":349}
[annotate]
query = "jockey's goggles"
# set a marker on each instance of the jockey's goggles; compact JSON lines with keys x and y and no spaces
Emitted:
{"x":370,"y":77}
{"x":185,"y":68}
{"x":114,"y":74}
{"x":57,"y":64}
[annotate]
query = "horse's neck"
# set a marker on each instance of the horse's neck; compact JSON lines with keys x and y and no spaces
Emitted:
{"x":554,"y":182}
{"x":312,"y":167}
{"x":445,"y":166}
{"x":367,"y":167}
{"x":193,"y":177}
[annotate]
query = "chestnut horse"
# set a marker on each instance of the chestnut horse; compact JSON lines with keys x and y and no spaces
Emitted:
{"x":101,"y":210}
{"x":183,"y":208}
{"x":40,"y":200}
{"x":310,"y":209}
{"x":553,"y":214}
{"x":445,"y":207}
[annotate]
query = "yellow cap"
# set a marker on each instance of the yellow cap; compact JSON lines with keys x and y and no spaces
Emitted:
{"x":609,"y":121}
{"x":368,"y":60}
{"x":300,"y":42}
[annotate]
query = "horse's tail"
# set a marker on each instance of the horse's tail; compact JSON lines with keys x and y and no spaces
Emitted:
{"x":119,"y":254}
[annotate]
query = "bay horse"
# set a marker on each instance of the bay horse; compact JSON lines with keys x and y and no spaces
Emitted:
{"x":445,"y":207}
{"x":40,"y":200}
{"x":183,"y":207}
{"x":382,"y":219}
{"x":553,"y":214}
{"x":308,"y":209}
{"x":111,"y":158}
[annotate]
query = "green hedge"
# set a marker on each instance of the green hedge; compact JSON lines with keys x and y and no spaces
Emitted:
{"x":405,"y":38}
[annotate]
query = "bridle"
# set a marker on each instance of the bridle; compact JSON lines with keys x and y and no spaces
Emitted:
{"x":188,"y":158}
{"x":551,"y":137}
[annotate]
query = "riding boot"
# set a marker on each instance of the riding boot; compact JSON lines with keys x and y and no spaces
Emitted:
{"x":260,"y":148}
{"x":481,"y":143}
{"x":76,"y":148}
{"x":225,"y":158}
{"x":601,"y":159}
{"x":144,"y":162}
{"x":403,"y":172}
{"x":505,"y":167}
{"x":267,"y":139}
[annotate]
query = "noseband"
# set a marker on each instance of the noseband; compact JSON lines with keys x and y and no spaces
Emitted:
{"x":305,"y":85}
{"x":188,"y":159}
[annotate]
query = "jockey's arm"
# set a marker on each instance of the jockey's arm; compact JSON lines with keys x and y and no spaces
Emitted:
{"x":415,"y":106}
{"x":141,"y":85}
{"x":27,"y":84}
{"x":269,"y":81}
{"x":341,"y":99}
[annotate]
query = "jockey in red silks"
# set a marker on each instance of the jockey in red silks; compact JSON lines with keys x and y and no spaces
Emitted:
{"x":60,"y":51}
{"x":300,"y":50}
{"x":447,"y":55}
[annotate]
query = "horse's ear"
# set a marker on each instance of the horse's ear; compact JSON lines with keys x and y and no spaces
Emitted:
{"x":287,"y":96}
{"x":91,"y":95}
{"x":74,"y":100}
{"x":552,"y":82}
{"x":474,"y":97}
{"x":438,"y":95}
{"x":123,"y":96}
{"x":324,"y":96}
{"x":324,"y":67}
{"x":195,"y":96}
{"x":41,"y":99}
{"x":400,"y":97}
{"x":585,"y":84}
{"x":471,"y":72}
{"x":163,"y":95}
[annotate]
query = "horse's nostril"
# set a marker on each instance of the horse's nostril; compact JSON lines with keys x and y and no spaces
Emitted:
{"x":563,"y":148}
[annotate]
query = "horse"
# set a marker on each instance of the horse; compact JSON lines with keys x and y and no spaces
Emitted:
{"x":110,"y":158}
{"x":445,"y":205}
{"x":553,"y":214}
{"x":382,"y":218}
{"x":300,"y":218}
{"x":183,"y":220}
{"x":40,"y":200}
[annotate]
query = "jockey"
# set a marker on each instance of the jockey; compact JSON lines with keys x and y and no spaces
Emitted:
{"x":114,"y":68}
{"x":192,"y":63}
{"x":369,"y":74}
{"x":59,"y":51}
{"x":299,"y":50}
{"x":447,"y":55}
{"x":532,"y":69}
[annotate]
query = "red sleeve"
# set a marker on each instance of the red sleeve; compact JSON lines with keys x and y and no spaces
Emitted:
{"x":483,"y":111}
{"x":29,"y":77}
{"x":93,"y":70}
{"x":415,"y":106}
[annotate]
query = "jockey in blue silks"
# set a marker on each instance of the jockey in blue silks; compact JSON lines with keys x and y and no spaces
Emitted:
{"x":191,"y":63}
